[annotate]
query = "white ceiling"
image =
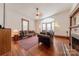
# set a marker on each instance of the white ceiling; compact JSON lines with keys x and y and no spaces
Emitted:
{"x":47,"y":9}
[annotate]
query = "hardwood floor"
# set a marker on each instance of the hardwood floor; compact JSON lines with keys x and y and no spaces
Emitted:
{"x":58,"y":49}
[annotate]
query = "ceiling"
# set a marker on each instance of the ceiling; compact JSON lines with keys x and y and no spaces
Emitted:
{"x":46,"y":9}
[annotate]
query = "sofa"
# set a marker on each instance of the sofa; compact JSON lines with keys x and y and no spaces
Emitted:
{"x":46,"y":38}
{"x":49,"y":33}
{"x":25,"y":34}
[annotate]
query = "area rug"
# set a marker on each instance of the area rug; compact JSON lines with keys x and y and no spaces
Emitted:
{"x":28,"y":42}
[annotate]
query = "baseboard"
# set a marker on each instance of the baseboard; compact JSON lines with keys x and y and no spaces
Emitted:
{"x":61,"y":36}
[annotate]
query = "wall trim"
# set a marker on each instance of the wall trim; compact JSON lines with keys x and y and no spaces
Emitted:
{"x":61,"y":36}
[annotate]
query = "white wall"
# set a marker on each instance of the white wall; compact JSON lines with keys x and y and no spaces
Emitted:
{"x":1,"y":14}
{"x":61,"y":23}
{"x":13,"y":18}
{"x":32,"y":25}
{"x":37,"y":26}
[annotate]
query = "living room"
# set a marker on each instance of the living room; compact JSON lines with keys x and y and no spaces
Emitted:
{"x":29,"y":26}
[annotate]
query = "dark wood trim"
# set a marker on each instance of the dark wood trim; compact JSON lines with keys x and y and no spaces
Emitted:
{"x":22,"y":23}
{"x":70,"y":29}
{"x":75,"y":13}
{"x":25,"y":19}
{"x":60,"y":36}
{"x":3,"y":15}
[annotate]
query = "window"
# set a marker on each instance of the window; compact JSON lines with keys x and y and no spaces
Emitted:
{"x":47,"y":24}
{"x":44,"y":26}
{"x":49,"y":27}
{"x":25,"y":24}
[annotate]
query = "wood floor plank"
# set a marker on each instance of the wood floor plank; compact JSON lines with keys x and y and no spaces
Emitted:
{"x":40,"y":50}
